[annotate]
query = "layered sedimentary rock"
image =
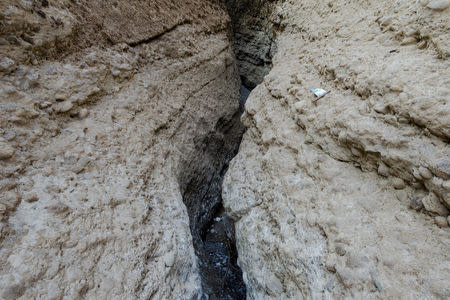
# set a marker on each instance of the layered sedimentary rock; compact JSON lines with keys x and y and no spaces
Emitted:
{"x":254,"y":35}
{"x":105,"y":105}
{"x":348,"y":196}
{"x":118,"y":119}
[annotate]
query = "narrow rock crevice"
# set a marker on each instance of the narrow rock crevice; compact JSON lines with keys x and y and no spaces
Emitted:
{"x":254,"y":38}
{"x":212,"y":230}
{"x":201,"y":181}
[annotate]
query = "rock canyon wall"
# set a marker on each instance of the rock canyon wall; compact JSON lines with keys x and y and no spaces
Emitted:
{"x":253,"y":28}
{"x":118,"y":120}
{"x":108,"y":110}
{"x":347,"y":196}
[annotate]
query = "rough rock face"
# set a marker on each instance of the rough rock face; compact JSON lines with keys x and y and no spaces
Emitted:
{"x":254,"y":34}
{"x":104,"y":105}
{"x":118,"y":119}
{"x":348,"y":196}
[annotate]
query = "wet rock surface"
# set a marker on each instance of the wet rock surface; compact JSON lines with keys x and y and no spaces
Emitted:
{"x":218,"y":259}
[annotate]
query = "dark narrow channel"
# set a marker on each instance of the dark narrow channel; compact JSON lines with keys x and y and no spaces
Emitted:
{"x":212,"y":230}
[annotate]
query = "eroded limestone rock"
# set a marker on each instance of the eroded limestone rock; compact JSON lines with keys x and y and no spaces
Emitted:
{"x":102,"y":103}
{"x":338,"y":197}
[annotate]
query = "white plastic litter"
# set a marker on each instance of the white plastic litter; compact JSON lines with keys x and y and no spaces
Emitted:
{"x":319,"y":93}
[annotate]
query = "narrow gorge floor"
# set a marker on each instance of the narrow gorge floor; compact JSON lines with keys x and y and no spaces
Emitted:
{"x":222,"y":277}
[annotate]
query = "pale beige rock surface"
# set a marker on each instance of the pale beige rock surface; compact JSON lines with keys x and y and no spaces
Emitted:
{"x":100,"y":115}
{"x":329,"y":195}
{"x":110,"y":109}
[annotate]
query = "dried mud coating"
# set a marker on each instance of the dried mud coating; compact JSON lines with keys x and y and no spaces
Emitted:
{"x":103,"y":104}
{"x":345,"y":197}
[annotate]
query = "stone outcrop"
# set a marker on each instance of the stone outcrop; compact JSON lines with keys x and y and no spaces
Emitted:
{"x":119,"y":118}
{"x":104,"y":107}
{"x":347,"y":196}
{"x":255,"y":27}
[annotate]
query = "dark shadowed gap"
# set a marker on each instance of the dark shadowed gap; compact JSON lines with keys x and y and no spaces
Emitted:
{"x":254,"y":38}
{"x":245,"y":92}
{"x":212,"y":230}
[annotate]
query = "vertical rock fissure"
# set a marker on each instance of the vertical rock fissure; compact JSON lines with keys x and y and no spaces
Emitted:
{"x":254,"y":30}
{"x":212,"y":230}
